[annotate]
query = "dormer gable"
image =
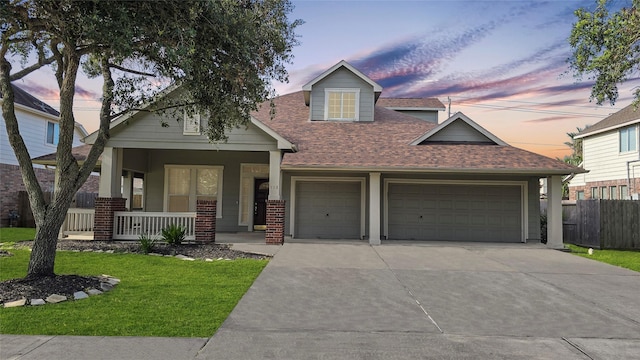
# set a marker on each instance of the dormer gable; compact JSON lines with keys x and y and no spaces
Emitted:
{"x":341,"y":93}
{"x":459,"y":128}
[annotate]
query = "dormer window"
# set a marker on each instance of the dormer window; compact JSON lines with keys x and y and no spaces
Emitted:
{"x":341,"y":104}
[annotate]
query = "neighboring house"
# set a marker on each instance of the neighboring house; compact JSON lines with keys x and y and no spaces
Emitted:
{"x":611,"y":155}
{"x":39,"y":127}
{"x":331,"y":164}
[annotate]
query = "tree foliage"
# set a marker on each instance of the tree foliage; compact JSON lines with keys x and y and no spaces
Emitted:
{"x":606,"y":48}
{"x":221,"y":54}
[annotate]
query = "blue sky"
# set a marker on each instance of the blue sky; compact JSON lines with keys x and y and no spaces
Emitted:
{"x":502,"y":63}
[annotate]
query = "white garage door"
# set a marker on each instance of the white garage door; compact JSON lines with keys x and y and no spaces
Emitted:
{"x":455,"y":212}
{"x":328,"y":210}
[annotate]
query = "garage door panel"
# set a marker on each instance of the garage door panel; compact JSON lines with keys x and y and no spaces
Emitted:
{"x":328,"y":210}
{"x":455,"y":212}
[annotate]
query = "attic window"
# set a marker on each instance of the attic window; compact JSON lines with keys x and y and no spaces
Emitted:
{"x":191,"y":123}
{"x":341,"y":104}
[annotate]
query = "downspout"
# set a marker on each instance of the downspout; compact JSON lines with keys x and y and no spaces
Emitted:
{"x":629,"y":166}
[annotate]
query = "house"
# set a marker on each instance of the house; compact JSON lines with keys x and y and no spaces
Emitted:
{"x":611,"y":154}
{"x":39,"y":128}
{"x":331,"y":164}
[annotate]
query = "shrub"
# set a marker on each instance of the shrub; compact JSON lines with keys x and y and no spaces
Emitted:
{"x":174,"y":234}
{"x":147,"y":243}
{"x":543,"y":228}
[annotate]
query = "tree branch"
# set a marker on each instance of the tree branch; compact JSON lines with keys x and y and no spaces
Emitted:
{"x":26,"y":71}
{"x":121,"y":68}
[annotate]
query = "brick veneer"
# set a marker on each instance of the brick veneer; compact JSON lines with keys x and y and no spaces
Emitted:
{"x":11,"y":184}
{"x":635,"y":188}
{"x":103,"y":221}
{"x":275,"y":222}
{"x":206,"y":221}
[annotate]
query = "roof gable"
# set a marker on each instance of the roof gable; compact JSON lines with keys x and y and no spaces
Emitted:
{"x":459,"y":128}
{"x":628,"y":116}
{"x":306,"y":88}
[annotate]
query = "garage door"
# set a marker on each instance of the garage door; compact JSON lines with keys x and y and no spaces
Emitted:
{"x":455,"y":212}
{"x":328,"y":210}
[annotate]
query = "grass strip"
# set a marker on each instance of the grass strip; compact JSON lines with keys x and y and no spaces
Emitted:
{"x":624,"y":258}
{"x":157,"y":296}
{"x":8,"y":236}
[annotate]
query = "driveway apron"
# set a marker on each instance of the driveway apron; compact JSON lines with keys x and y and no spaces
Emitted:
{"x":354,"y":301}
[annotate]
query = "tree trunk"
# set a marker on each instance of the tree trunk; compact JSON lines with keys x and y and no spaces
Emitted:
{"x":43,"y":255}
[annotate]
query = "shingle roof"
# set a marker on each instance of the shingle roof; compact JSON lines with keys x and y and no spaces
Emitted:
{"x":615,"y":120}
{"x":24,"y":98}
{"x":385,"y":144}
{"x":80,"y":153}
{"x":431,"y":103}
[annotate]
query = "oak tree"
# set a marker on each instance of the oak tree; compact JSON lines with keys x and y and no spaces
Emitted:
{"x":222,"y":54}
{"x":606,"y":48}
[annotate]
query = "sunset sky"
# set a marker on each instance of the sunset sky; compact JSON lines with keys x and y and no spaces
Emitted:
{"x":502,"y":63}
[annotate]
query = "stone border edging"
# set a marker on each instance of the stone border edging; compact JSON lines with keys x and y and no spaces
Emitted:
{"x":107,"y":283}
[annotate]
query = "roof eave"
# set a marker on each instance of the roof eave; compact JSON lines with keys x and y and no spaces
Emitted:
{"x":607,"y":129}
{"x":472,"y":171}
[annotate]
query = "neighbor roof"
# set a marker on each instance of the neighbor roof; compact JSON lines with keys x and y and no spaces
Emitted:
{"x":24,"y":98}
{"x":411,"y":103}
{"x":627,"y":116}
{"x":80,"y":153}
{"x":385,"y":144}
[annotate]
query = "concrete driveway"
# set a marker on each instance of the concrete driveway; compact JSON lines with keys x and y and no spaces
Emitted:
{"x":433,"y":301}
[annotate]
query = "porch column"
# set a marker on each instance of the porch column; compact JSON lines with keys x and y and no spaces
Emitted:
{"x":206,"y":221}
{"x":110,"y":173}
{"x":275,"y":205}
{"x":275,"y":178}
{"x":110,"y":197}
{"x":374,"y":208}
{"x":554,"y":212}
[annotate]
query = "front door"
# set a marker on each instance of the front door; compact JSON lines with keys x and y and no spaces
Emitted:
{"x":260,"y":195}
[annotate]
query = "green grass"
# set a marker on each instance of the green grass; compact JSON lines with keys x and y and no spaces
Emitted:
{"x":157,"y":296}
{"x":625,"y":259}
{"x":11,"y":235}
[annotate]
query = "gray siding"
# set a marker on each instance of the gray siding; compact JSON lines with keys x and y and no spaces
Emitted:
{"x":534,"y":210}
{"x":458,"y":131}
{"x":135,"y":159}
{"x":342,"y":78}
{"x":145,"y":131}
{"x":154,"y":180}
{"x":430,"y":116}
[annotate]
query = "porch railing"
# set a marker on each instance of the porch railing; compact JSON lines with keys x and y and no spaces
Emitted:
{"x":130,"y":225}
{"x":78,"y":221}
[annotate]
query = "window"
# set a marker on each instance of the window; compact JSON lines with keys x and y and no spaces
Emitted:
{"x":594,"y":193}
{"x":604,"y":193}
{"x":628,"y":139}
{"x":191,"y":123}
{"x":53,"y":133}
{"x":341,"y":104}
{"x":613,"y":192}
{"x":580,"y":195}
{"x":624,"y":192}
{"x":185,"y":185}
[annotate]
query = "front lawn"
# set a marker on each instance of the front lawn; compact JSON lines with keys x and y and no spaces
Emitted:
{"x":11,"y":235}
{"x":157,"y":296}
{"x":625,"y":259}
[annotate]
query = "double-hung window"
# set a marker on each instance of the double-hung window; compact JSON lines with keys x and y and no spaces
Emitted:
{"x":628,"y":140}
{"x":341,"y":104}
{"x":185,"y":185}
{"x":53,"y":133}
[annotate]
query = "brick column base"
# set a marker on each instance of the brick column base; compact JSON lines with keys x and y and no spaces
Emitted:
{"x":275,"y":222}
{"x":103,"y":220}
{"x":206,"y":221}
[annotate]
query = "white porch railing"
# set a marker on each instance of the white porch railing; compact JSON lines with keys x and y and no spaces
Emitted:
{"x":130,"y":225}
{"x":78,"y":221}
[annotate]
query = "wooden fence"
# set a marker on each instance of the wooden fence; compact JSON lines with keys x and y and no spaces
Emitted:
{"x":82,"y":201}
{"x":602,"y":224}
